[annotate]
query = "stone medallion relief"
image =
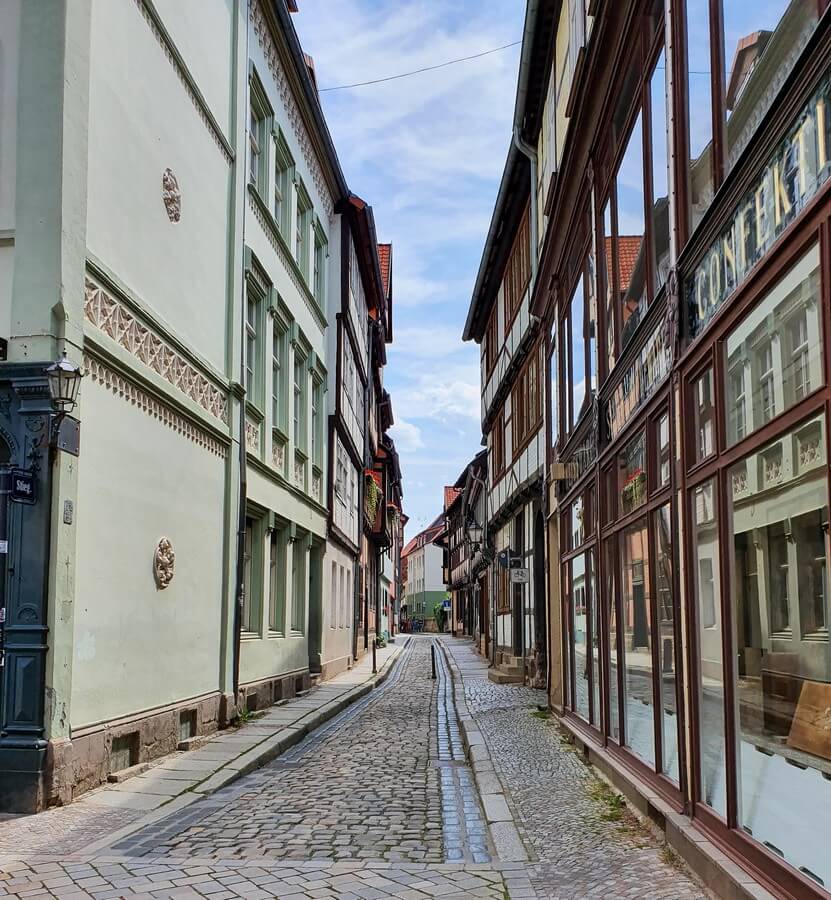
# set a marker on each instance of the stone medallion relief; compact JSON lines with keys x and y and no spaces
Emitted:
{"x":171,"y":195}
{"x":164,"y":561}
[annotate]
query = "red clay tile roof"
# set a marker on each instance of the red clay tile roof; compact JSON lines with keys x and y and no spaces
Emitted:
{"x":384,"y":255}
{"x":450,"y":494}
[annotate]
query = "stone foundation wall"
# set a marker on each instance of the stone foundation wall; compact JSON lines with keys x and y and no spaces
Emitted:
{"x":76,"y":765}
{"x":265,"y":693}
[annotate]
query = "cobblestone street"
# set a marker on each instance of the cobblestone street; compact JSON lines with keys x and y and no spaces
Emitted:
{"x":379,"y":802}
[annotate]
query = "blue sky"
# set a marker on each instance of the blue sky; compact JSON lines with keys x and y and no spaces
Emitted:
{"x":427,"y":153}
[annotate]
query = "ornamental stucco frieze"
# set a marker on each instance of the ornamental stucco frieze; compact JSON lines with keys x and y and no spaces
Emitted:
{"x":298,"y":126}
{"x":122,"y":387}
{"x":109,"y":315}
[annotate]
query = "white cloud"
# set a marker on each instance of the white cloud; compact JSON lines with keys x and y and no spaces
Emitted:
{"x":407,"y":436}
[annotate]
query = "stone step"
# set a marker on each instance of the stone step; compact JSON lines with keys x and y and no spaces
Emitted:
{"x":499,"y":676}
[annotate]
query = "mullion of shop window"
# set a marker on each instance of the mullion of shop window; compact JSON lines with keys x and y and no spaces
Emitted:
{"x":717,"y":69}
{"x":647,"y":63}
{"x":604,"y":649}
{"x":675,"y":547}
{"x":726,"y":568}
{"x":679,"y":99}
{"x":651,"y":543}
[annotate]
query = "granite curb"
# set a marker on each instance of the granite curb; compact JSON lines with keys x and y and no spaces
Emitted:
{"x":504,"y":834}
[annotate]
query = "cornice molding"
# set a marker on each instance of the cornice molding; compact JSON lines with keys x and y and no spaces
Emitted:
{"x":154,"y":21}
{"x":296,"y":120}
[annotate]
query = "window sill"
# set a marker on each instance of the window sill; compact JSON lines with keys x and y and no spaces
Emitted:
{"x":272,"y":635}
{"x":250,"y":636}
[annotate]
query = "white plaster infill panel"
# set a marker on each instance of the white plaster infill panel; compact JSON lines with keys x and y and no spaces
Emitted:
{"x":161,"y":34}
{"x":113,"y":318}
{"x":132,"y":393}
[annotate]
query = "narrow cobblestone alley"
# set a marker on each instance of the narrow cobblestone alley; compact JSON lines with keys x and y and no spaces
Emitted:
{"x":379,"y":802}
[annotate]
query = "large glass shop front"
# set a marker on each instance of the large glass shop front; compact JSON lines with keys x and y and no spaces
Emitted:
{"x":731,"y":547}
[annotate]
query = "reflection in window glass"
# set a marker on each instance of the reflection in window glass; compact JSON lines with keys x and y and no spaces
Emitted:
{"x":663,"y":451}
{"x":666,"y":642}
{"x":710,"y":666}
{"x":579,"y":601}
{"x":630,"y":228}
{"x":554,"y":391}
{"x":637,"y":640}
{"x":609,"y":599}
{"x":780,"y":603}
{"x":760,"y":41}
{"x":660,"y":177}
{"x":609,"y":287}
{"x":704,"y":416}
{"x":700,"y":109}
{"x":578,"y":356}
{"x":631,"y":463}
{"x":595,"y":641}
{"x":577,"y":523}
{"x":774,"y":355}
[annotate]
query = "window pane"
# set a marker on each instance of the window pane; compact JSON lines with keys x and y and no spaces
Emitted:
{"x":710,"y":665}
{"x":579,"y":600}
{"x":761,"y":42}
{"x":608,"y":269}
{"x":660,"y":178}
{"x":704,"y":416}
{"x":630,"y":229}
{"x":577,"y":524}
{"x":631,"y":484}
{"x":554,"y":388}
{"x":637,"y":641}
{"x":700,"y":109}
{"x":779,"y":522}
{"x":609,"y":599}
{"x":663,"y":451}
{"x":666,"y":638}
{"x":774,"y":356}
{"x":594,"y":640}
{"x":578,"y":357}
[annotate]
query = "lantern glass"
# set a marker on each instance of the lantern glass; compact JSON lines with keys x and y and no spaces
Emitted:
{"x":474,"y":532}
{"x":64,"y":382}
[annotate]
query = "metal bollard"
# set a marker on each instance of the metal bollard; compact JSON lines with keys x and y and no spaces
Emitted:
{"x":433,"y":659}
{"x":374,"y":661}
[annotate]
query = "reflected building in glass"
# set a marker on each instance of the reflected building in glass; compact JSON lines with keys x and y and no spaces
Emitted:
{"x":683,"y":226}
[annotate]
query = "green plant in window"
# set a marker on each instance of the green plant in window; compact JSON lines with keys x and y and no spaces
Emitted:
{"x":373,"y":498}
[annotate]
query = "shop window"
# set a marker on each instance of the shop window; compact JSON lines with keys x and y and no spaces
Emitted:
{"x":577,"y":382}
{"x":252,"y":583}
{"x":637,"y":641}
{"x":757,"y":46}
{"x":660,"y":174}
{"x":614,"y":669}
{"x":704,"y":418}
{"x":554,"y":387}
{"x":594,"y":642}
{"x":298,"y":585}
{"x":773,"y":357}
{"x":666,"y":641}
{"x":710,"y":665}
{"x":608,"y":263}
{"x":579,"y":583}
{"x":577,"y":533}
{"x":662,"y":443}
{"x":631,"y":483}
{"x":631,"y":274}
{"x":779,"y":599}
